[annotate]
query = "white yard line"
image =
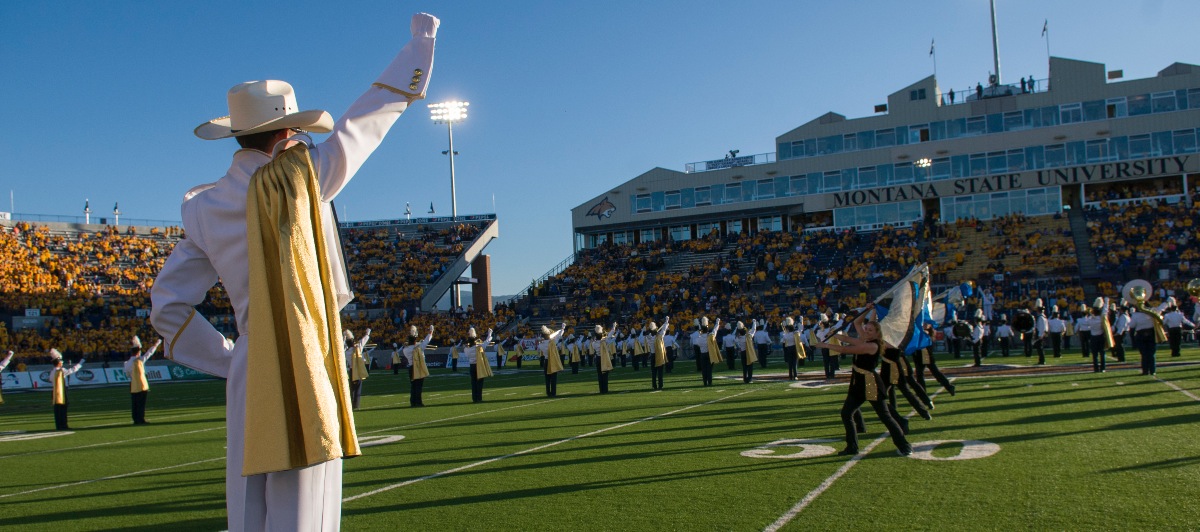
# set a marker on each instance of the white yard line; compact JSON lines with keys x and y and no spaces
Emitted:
{"x":458,"y":417}
{"x":113,"y":477}
{"x":1177,"y":388}
{"x":812,"y":495}
{"x":111,"y":443}
{"x":534,"y":449}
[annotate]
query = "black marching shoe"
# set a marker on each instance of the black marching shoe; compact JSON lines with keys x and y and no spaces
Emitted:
{"x":848,"y":452}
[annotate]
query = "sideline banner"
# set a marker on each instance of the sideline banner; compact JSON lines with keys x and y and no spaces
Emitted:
{"x":15,"y":380}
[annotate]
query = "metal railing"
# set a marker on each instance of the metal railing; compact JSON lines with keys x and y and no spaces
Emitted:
{"x":95,"y":220}
{"x":566,"y":263}
{"x":729,"y":162}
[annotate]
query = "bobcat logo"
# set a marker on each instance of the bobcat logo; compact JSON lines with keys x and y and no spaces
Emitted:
{"x":602,"y":210}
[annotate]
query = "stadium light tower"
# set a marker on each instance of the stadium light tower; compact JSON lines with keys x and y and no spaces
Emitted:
{"x":448,"y":113}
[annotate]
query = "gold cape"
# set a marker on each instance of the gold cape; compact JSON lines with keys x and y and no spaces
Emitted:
{"x":298,"y":397}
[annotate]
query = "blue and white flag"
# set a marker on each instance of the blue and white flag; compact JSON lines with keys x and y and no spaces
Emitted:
{"x":902,"y":321}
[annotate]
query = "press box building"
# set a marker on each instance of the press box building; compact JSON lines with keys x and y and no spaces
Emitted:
{"x":1005,"y":149}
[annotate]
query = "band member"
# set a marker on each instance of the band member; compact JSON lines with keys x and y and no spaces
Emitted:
{"x":924,"y":359}
{"x":139,"y":387}
{"x":480,"y":368}
{"x":699,"y":346}
{"x":865,"y":384}
{"x":714,"y":353}
{"x":1055,"y":326}
{"x":573,"y":348}
{"x":1004,"y":333}
{"x":1120,"y":330}
{"x":357,"y":361}
{"x":705,"y":338}
{"x":1084,"y":331}
{"x":1175,"y":321}
{"x":452,"y":361}
{"x":660,"y":353}
{"x":549,"y":349}
{"x":1145,"y":341}
{"x":396,"y":356}
{"x":58,"y":379}
{"x":978,"y":336}
{"x":672,"y":343}
{"x":501,"y":352}
{"x":790,"y":346}
{"x":4,"y":364}
{"x":414,"y":354}
{"x":1035,"y":338}
{"x":519,"y":347}
{"x":601,"y":343}
{"x":745,"y":345}
{"x":1101,"y":335}
{"x":728,"y":341}
{"x":762,"y":343}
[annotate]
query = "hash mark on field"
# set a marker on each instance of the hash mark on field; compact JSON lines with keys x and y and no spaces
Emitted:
{"x":812,"y":495}
{"x":110,"y":443}
{"x":535,"y":449}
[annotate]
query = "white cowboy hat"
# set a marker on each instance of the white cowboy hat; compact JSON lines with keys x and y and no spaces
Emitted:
{"x":258,"y":106}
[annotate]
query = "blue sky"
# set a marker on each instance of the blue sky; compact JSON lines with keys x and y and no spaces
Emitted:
{"x":567,"y":99}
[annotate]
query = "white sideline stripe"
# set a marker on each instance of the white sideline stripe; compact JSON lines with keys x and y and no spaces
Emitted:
{"x":113,"y":477}
{"x":111,"y":442}
{"x":129,"y":422}
{"x":534,"y":449}
{"x":457,"y":417}
{"x":812,"y":495}
{"x":1178,"y":389}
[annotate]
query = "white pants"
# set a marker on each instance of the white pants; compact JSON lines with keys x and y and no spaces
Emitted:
{"x":307,"y":499}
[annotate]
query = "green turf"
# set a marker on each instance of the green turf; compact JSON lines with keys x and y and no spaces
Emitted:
{"x":1077,"y":451}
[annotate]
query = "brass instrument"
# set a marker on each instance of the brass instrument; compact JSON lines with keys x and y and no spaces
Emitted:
{"x":1193,"y":287}
{"x":1136,"y":293}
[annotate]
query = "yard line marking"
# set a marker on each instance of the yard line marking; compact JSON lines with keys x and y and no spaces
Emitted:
{"x":458,"y":417}
{"x":812,"y":495}
{"x":113,"y":477}
{"x":111,"y":442}
{"x":534,"y":449}
{"x":1177,"y":388}
{"x":156,"y":418}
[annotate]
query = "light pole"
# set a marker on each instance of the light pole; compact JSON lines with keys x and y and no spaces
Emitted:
{"x":448,"y":113}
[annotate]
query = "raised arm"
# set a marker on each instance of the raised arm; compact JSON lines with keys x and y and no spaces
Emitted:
{"x":488,"y":339}
{"x":73,"y":368}
{"x":428,"y":338}
{"x":149,"y":353}
{"x":7,"y":359}
{"x":362,"y":342}
{"x":662,"y":331}
{"x":554,"y":336}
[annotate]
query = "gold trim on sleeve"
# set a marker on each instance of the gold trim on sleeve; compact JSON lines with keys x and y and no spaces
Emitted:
{"x":171,"y":348}
{"x":390,"y":88}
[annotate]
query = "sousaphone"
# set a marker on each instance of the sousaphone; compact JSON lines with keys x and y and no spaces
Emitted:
{"x":1136,"y":293}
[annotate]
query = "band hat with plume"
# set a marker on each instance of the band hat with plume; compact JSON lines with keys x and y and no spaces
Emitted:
{"x":349,"y":335}
{"x":137,"y":342}
{"x":412,"y":330}
{"x":260,"y":106}
{"x":653,"y":326}
{"x":728,"y":326}
{"x":599,"y":329}
{"x":546,"y":330}
{"x":471,"y":333}
{"x":696,"y":322}
{"x":1098,"y":303}
{"x":740,"y":325}
{"x":704,"y":321}
{"x":788,"y":322}
{"x":55,"y":354}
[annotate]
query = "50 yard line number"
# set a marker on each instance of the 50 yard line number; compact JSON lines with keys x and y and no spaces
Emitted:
{"x":798,"y":449}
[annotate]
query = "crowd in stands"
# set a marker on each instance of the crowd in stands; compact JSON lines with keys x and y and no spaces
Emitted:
{"x":391,"y":269}
{"x":1144,"y":240}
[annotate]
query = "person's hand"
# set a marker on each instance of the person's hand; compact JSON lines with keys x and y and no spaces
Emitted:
{"x":368,"y":331}
{"x":424,"y":25}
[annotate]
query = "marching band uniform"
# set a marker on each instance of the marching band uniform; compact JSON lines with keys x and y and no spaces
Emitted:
{"x":1005,"y":334}
{"x":58,"y":378}
{"x":832,"y":364}
{"x":790,"y":347}
{"x":953,"y":342}
{"x":1175,"y":321}
{"x":480,"y":368}
{"x":4,"y":364}
{"x":866,"y":386}
{"x":414,"y":354}
{"x":672,"y":343}
{"x":1145,"y":342}
{"x":1055,"y":326}
{"x":358,"y":366}
{"x":453,"y":362}
{"x":396,"y":356}
{"x":549,"y":350}
{"x":714,"y":353}
{"x":660,"y":354}
{"x":638,"y":346}
{"x":1035,"y":339}
{"x":602,"y":346}
{"x":1097,"y":327}
{"x":978,"y":334}
{"x":895,"y":373}
{"x":699,"y":347}
{"x":729,"y":343}
{"x":706,"y":341}
{"x":924,"y":358}
{"x":745,"y":344}
{"x":573,"y":352}
{"x":1085,"y":334}
{"x":139,"y":387}
{"x":520,"y":349}
{"x":1120,"y":329}
{"x":762,"y":344}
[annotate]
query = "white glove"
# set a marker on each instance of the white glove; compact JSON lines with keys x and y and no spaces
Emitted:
{"x":425,"y":25}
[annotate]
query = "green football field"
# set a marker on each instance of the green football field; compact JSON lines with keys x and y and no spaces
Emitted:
{"x":1056,"y":448}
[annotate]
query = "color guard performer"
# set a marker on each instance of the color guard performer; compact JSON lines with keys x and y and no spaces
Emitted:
{"x":895,"y":373}
{"x":865,"y":384}
{"x":924,"y":358}
{"x":58,"y":379}
{"x":659,"y":348}
{"x":414,"y":354}
{"x":139,"y":387}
